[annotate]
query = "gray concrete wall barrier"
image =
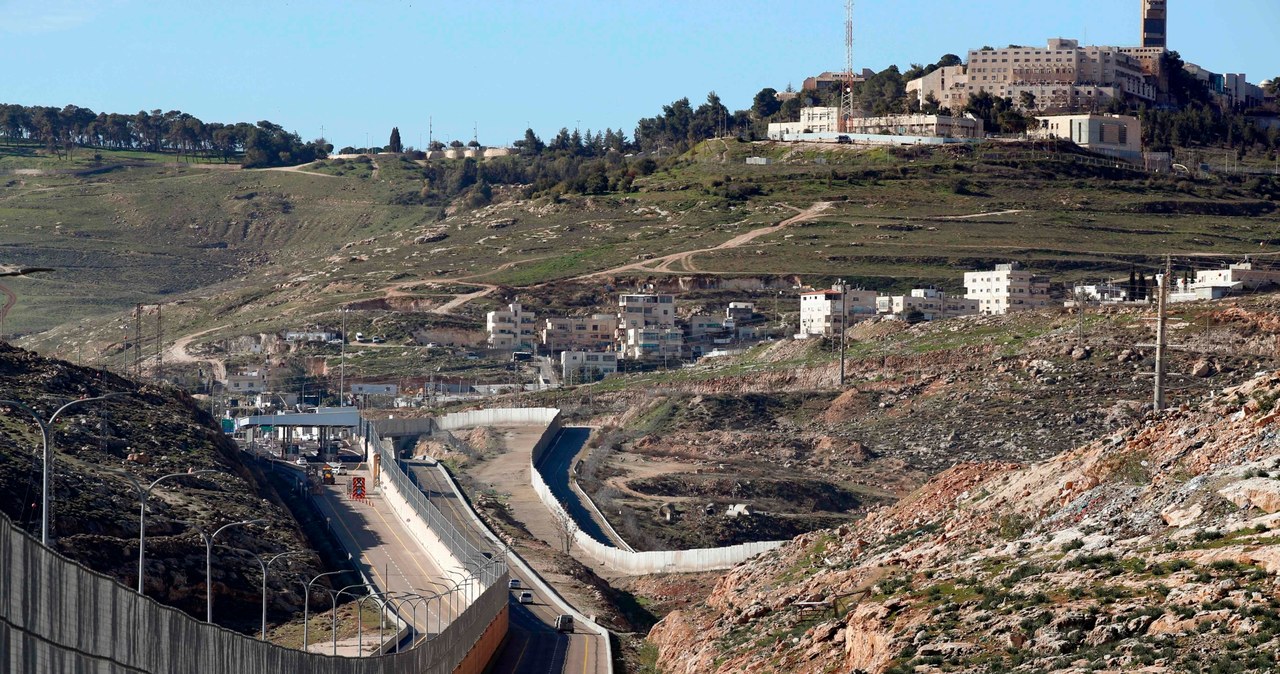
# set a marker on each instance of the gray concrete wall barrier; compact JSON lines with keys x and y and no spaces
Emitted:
{"x":58,"y":616}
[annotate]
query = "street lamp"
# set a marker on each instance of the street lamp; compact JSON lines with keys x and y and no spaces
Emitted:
{"x":208,"y":563}
{"x":334,"y":614}
{"x":464,"y":584}
{"x":143,"y":494}
{"x":46,"y":429}
{"x":266,"y":566}
{"x":306,"y":605}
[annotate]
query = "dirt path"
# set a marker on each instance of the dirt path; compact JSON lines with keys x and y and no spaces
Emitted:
{"x":684,"y":259}
{"x":976,"y":215}
{"x":298,"y":169}
{"x":177,"y":353}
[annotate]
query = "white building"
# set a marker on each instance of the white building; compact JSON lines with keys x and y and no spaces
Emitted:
{"x":582,"y":366}
{"x":640,"y":310}
{"x":1006,"y":290}
{"x":1214,"y":284}
{"x":311,"y":336}
{"x":1103,"y":293}
{"x":826,"y":120}
{"x":652,"y":343}
{"x":1114,"y":135}
{"x":513,"y":328}
{"x":823,"y":313}
{"x":930,"y":304}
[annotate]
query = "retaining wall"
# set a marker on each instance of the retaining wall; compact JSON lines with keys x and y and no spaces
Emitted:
{"x":58,"y":616}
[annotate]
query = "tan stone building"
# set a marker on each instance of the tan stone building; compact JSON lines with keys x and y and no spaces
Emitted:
{"x":1006,"y":290}
{"x":1115,"y":135}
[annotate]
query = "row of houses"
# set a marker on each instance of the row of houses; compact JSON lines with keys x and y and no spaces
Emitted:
{"x":1208,"y":284}
{"x":1002,"y":290}
{"x":644,"y":327}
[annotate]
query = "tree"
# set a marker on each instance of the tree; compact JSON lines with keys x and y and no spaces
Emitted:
{"x":1273,"y":87}
{"x":766,"y":103}
{"x":566,"y":528}
{"x":532,"y":145}
{"x":1027,"y":100}
{"x":395,"y":145}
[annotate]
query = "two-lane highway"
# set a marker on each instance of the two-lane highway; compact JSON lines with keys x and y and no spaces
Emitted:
{"x":532,"y":645}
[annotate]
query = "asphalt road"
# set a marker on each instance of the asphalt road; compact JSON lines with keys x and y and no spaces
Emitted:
{"x":532,"y":646}
{"x":386,"y":551}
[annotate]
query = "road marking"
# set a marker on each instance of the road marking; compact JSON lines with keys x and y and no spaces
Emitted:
{"x":586,"y":656}
{"x":520,"y":658}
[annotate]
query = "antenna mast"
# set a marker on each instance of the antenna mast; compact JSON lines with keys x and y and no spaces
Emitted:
{"x":846,"y":93}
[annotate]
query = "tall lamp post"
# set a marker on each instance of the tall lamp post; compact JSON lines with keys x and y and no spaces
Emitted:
{"x":208,"y":564}
{"x":306,"y":606}
{"x":143,"y":494}
{"x":266,"y":567}
{"x":46,"y":430}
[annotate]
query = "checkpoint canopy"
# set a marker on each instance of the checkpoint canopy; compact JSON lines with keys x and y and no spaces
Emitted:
{"x":331,"y":417}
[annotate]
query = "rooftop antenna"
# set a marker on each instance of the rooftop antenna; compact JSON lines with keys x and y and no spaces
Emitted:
{"x":475,"y":133}
{"x":431,"y":131}
{"x":846,"y":93}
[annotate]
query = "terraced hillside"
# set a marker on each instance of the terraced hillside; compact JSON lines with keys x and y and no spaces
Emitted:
{"x":268,"y":249}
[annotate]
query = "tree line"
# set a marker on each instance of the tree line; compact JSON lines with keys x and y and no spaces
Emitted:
{"x":62,"y":130}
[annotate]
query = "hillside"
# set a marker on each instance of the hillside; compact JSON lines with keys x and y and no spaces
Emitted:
{"x":1150,"y":546}
{"x":237,"y":252}
{"x":152,"y":432}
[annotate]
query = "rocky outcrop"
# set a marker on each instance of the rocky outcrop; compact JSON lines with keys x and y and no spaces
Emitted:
{"x":1157,"y":538}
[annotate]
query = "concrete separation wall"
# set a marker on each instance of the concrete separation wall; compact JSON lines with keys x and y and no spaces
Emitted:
{"x":58,"y":616}
{"x":549,"y":417}
{"x":637,"y":563}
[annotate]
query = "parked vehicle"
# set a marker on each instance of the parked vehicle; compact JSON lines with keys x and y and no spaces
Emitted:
{"x":564,"y":623}
{"x":526,"y":597}
{"x":326,"y":476}
{"x":471,"y":355}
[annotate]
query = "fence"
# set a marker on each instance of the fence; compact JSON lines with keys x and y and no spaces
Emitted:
{"x":58,"y":616}
{"x":626,"y":561}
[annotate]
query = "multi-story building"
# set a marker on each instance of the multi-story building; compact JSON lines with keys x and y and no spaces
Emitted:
{"x":740,"y":311}
{"x":829,"y":81}
{"x":1061,"y":76}
{"x":1114,"y":135}
{"x":1006,"y":290}
{"x":584,"y":366}
{"x":826,"y":120}
{"x":1240,"y":276}
{"x":652,"y":343}
{"x":824,"y":313}
{"x":1155,"y":24}
{"x":929,"y":304}
{"x":512,"y":328}
{"x":580,"y":333}
{"x":638,"y":311}
{"x":948,"y":87}
{"x":253,"y":381}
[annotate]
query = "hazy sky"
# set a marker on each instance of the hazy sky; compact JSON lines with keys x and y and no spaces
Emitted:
{"x":358,"y":67}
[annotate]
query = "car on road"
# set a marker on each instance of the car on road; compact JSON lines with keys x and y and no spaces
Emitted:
{"x":564,"y":623}
{"x":300,"y":461}
{"x":471,"y":355}
{"x":338,"y":468}
{"x":525,"y":597}
{"x":514,"y":584}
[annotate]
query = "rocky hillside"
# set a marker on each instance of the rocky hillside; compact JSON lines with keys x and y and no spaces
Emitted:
{"x":94,"y":515}
{"x":1149,"y":549}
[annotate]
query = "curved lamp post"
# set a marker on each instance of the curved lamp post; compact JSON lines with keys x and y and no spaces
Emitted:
{"x":143,"y":494}
{"x":411,"y":598}
{"x":465,"y":584}
{"x":266,"y":566}
{"x":208,"y":563}
{"x":370,"y":593}
{"x":306,"y":605}
{"x":46,"y":431}
{"x":440,"y":595}
{"x":334,"y":614}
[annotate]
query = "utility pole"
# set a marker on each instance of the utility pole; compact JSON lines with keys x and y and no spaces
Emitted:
{"x":159,"y":342}
{"x":137,"y":341}
{"x":342,"y":364}
{"x":1161,"y":335}
{"x":844,"y":325}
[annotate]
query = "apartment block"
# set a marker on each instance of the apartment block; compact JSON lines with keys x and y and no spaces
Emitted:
{"x":1006,"y":290}
{"x":580,"y":333}
{"x":1063,"y":76}
{"x":253,"y":381}
{"x":824,"y":313}
{"x":511,"y":329}
{"x":638,"y":311}
{"x":583,"y":366}
{"x":648,"y":343}
{"x":826,"y":120}
{"x":929,"y":304}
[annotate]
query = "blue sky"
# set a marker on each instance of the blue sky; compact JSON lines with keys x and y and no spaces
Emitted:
{"x":358,"y":67}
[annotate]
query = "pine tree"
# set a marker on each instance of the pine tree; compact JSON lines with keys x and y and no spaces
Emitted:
{"x":395,"y":145}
